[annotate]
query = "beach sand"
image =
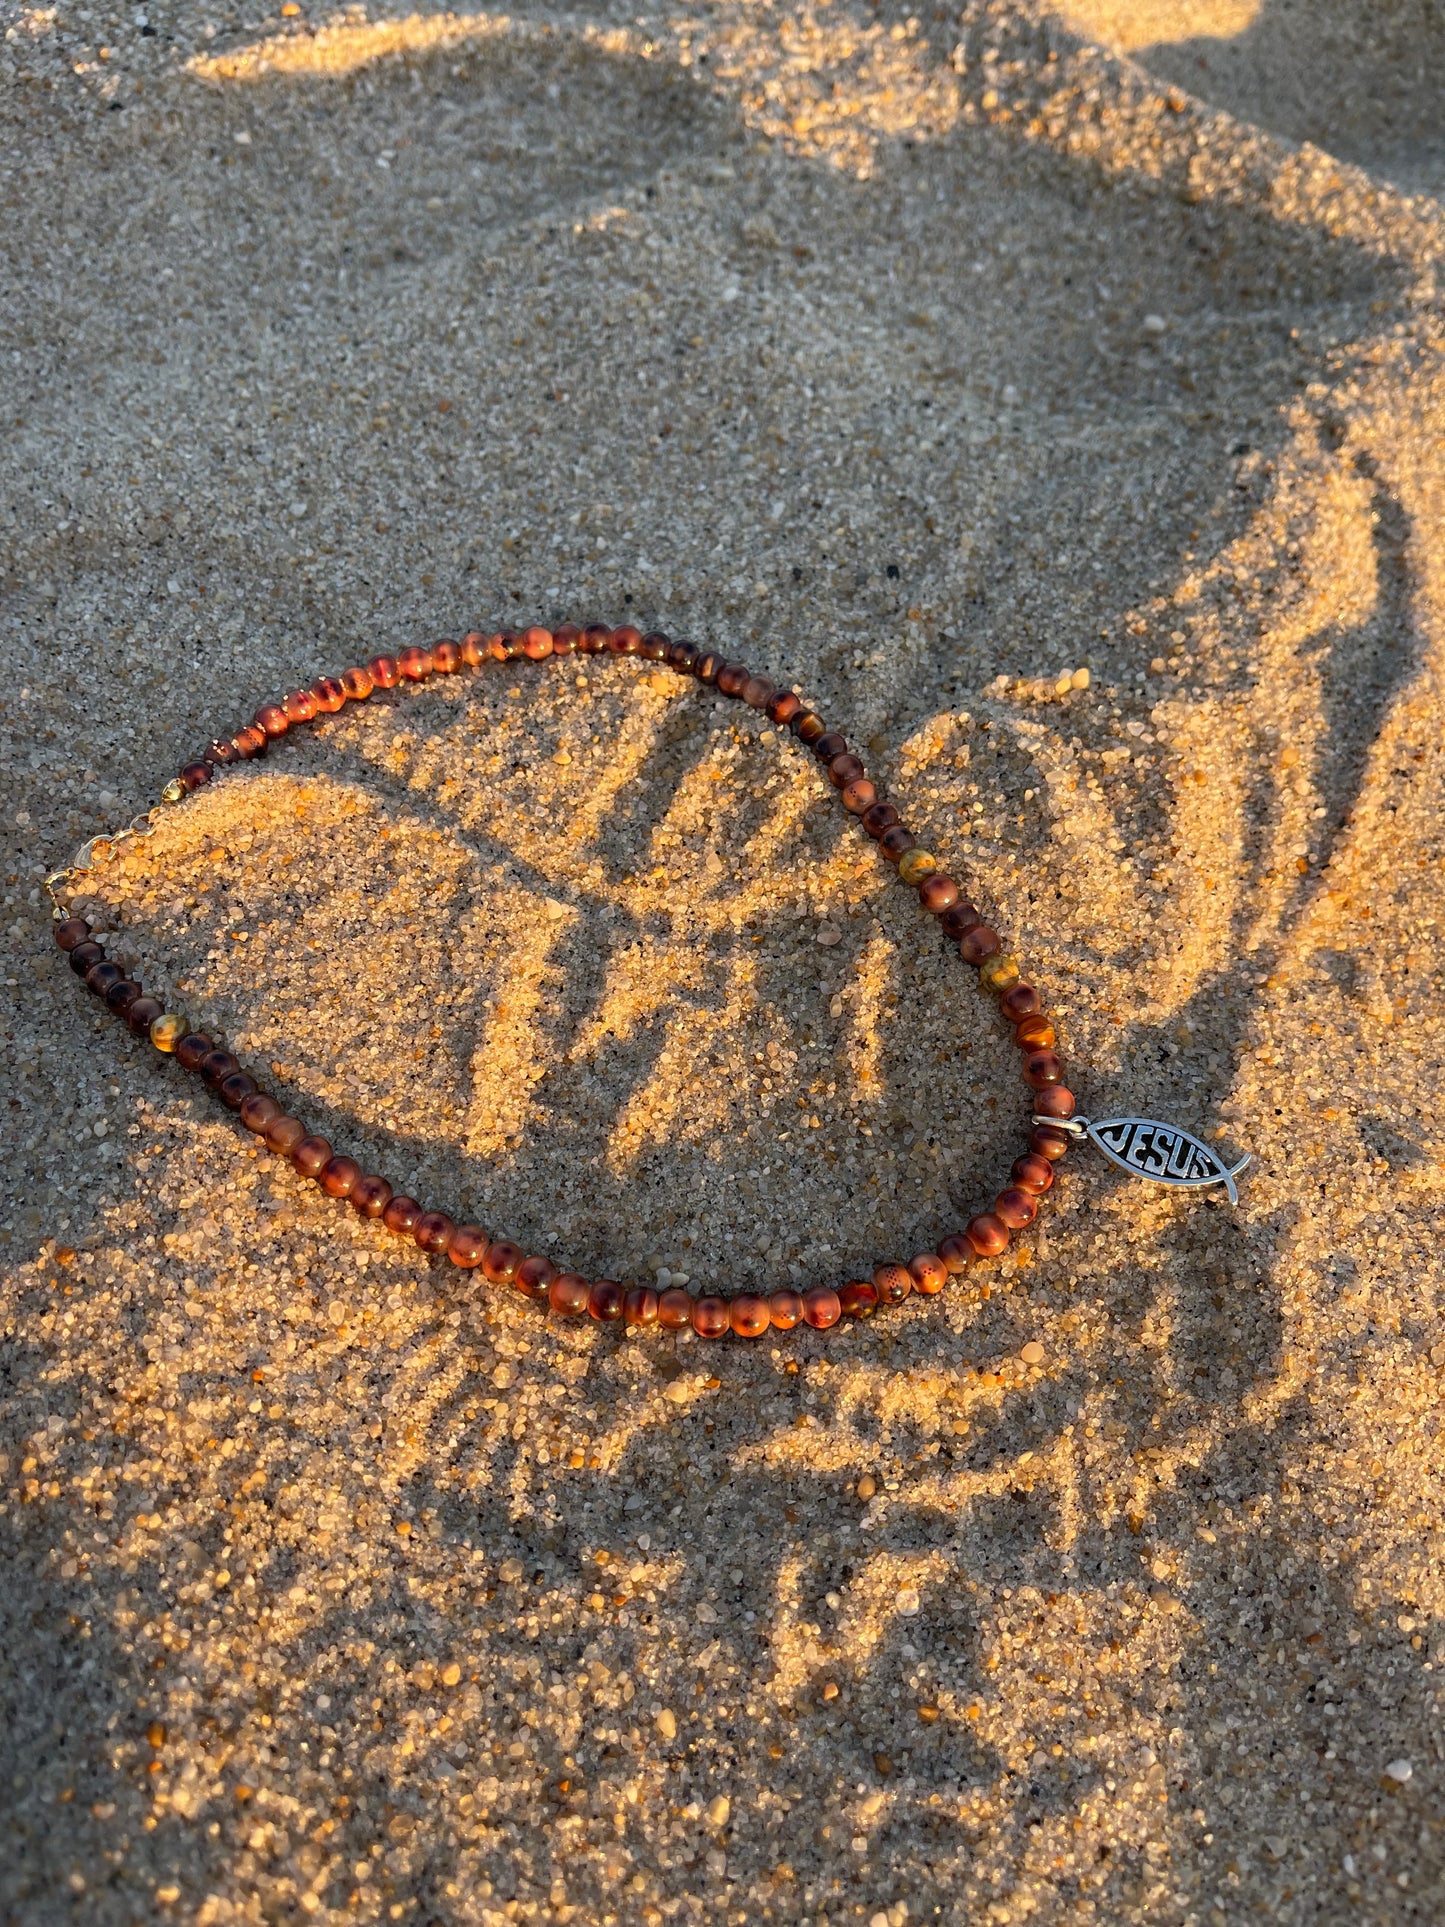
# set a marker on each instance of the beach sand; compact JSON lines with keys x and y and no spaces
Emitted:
{"x":921,"y":361}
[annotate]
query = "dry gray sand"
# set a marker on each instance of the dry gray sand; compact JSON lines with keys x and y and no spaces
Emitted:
{"x":920,"y":360}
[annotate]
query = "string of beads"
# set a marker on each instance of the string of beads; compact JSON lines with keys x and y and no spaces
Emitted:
{"x":748,"y":1314}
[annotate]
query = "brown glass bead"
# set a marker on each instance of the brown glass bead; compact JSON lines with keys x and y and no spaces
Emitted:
{"x":233,"y":1090}
{"x":300,"y":706}
{"x":987,"y":1234}
{"x":682,"y":655}
{"x":339,"y":1177}
{"x":606,"y":1300}
{"x":822,"y":1307}
{"x":1054,"y":1101}
{"x":625,"y":641}
{"x":808,"y":726}
{"x":195,"y":775}
{"x":433,"y":1231}
{"x":731,"y":677}
{"x":534,"y":1275}
{"x":1035,"y":1033}
{"x":567,"y":1294}
{"x":758,"y":691}
{"x":217,"y":1064}
{"x":85,"y":956}
{"x":564,"y":640}
{"x":311,"y":1156}
{"x":929,"y":1273}
{"x":709,"y":665}
{"x":446,"y":657}
{"x":503,"y":647}
{"x":1046,"y":1142}
{"x":897,"y":842}
{"x":122,"y":995}
{"x":250,"y":741}
{"x":222,"y":751}
{"x":259,"y":1111}
{"x":473,"y":644}
{"x":881,"y":817}
{"x":193,"y":1050}
{"x":831,"y":743}
{"x":859,"y":797}
{"x":1032,"y":1173}
{"x":859,"y":1298}
{"x":401,"y":1215}
{"x":357,"y":683}
{"x":536,"y":644}
{"x":272,"y":719}
{"x":845,"y":769}
{"x":371,"y":1195}
{"x":415,"y":664}
{"x":892,"y":1283}
{"x":749,"y":1314}
{"x":384,"y":672}
{"x":102,"y":975}
{"x":72,"y":931}
{"x":977,"y":945}
{"x":783,"y":705}
{"x":1043,"y":1067}
{"x":328,"y":695}
{"x":284,"y":1133}
{"x":956,"y":1252}
{"x":142,"y":1014}
{"x":594,"y":639}
{"x":466,"y":1245}
{"x":1020,"y":1002}
{"x":500,"y":1261}
{"x":674,"y":1309}
{"x":1016,"y":1207}
{"x":654,"y":646}
{"x":937,"y":893}
{"x":710,"y":1316}
{"x":785,"y":1308}
{"x":639,"y":1307}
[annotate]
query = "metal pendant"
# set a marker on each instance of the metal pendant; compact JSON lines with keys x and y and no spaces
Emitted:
{"x":1163,"y":1153}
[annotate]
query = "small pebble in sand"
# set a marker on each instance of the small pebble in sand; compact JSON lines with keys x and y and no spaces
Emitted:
{"x":1399,"y":1771}
{"x":667,"y":1723}
{"x":718,"y":1811}
{"x":866,"y":1486}
{"x":1032,"y":1353}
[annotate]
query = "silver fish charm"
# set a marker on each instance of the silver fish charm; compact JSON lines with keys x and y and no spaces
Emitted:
{"x":1163,"y":1153}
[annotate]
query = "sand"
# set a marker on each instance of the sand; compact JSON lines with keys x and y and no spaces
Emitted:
{"x":923,"y":361}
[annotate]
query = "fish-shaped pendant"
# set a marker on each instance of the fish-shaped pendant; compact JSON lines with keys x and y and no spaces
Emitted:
{"x":1163,"y":1153}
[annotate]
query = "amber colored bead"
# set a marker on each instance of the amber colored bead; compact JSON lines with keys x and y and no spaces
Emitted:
{"x":503,"y":647}
{"x":783,"y":705}
{"x":624,"y":641}
{"x":731,"y":677}
{"x":1042,"y":1067}
{"x":897,"y":842}
{"x":401,"y":1215}
{"x":384,"y":671}
{"x":415,"y":663}
{"x":122,"y":995}
{"x":845,"y":769}
{"x":339,"y":1177}
{"x":977,"y":945}
{"x":328,"y":695}
{"x":446,"y":657}
{"x":473,"y":644}
{"x":785,"y":1308}
{"x":259,"y":1112}
{"x":567,"y":1294}
{"x":1045,"y":1142}
{"x":928,"y":1272}
{"x":85,"y":956}
{"x":956,"y":1252}
{"x":371,"y":1195}
{"x":1020,"y":1002}
{"x":593,"y":639}
{"x":830,"y":744}
{"x":193,"y":1050}
{"x":710,"y":1316}
{"x":250,"y":741}
{"x":959,"y":917}
{"x":709,"y":666}
{"x":1016,"y":1207}
{"x":102,"y":975}
{"x":311,"y":1156}
{"x":998,"y":974}
{"x":808,"y":726}
{"x":357,"y":683}
{"x":222,"y":751}
{"x":534,"y":1275}
{"x":167,"y":1031}
{"x":683,"y":655}
{"x":859,"y":797}
{"x":822,"y":1307}
{"x":1035,"y":1033}
{"x":639,"y":1307}
{"x":500,"y":1261}
{"x":300,"y":706}
{"x":536,"y":643}
{"x":564,"y":640}
{"x":987,"y":1234}
{"x":1032,"y":1173}
{"x":749,"y":1314}
{"x":284,"y":1133}
{"x":654,"y":646}
{"x":674,"y":1309}
{"x":937,"y":893}
{"x":235,"y":1089}
{"x":915,"y":865}
{"x":142,"y":1014}
{"x":758,"y":691}
{"x":1054,"y":1101}
{"x":218,"y":1064}
{"x":72,"y":931}
{"x":606,"y":1300}
{"x":859,"y":1298}
{"x":195,"y":775}
{"x":893,"y":1283}
{"x":881,"y":817}
{"x":466,"y":1245}
{"x":433,"y":1231}
{"x":272,"y":718}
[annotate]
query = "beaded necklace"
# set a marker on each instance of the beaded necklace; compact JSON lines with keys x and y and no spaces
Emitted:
{"x":1142,"y":1146}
